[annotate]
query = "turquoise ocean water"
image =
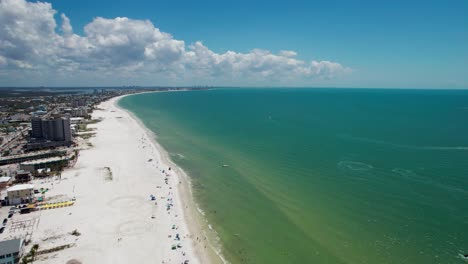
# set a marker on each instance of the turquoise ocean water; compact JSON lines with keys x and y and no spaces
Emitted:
{"x":323,"y":175}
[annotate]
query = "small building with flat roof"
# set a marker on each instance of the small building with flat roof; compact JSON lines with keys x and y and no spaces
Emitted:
{"x":76,"y":120}
{"x":20,"y":193}
{"x":4,"y":181}
{"x":22,"y":176}
{"x":11,"y":251}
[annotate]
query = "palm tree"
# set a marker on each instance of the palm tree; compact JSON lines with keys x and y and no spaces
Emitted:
{"x":34,"y":251}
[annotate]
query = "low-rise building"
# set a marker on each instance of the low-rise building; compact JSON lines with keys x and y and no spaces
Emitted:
{"x":20,"y":193}
{"x":22,"y":176}
{"x":47,"y":144}
{"x":76,"y":120}
{"x":11,"y":251}
{"x":79,"y":102}
{"x":38,"y":113}
{"x":19,"y":117}
{"x":34,"y":165}
{"x":4,"y":181}
{"x":79,"y":112}
{"x":30,"y":156}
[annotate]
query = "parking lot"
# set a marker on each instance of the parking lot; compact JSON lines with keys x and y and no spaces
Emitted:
{"x":16,"y":225}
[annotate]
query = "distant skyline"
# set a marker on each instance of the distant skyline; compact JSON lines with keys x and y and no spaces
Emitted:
{"x":369,"y":44}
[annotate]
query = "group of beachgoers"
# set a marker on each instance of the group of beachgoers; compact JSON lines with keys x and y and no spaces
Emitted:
{"x":175,"y":236}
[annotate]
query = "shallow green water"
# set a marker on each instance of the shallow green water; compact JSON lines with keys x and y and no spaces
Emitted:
{"x":323,"y":175}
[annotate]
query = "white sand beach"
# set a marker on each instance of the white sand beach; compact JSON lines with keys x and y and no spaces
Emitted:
{"x":113,"y":213}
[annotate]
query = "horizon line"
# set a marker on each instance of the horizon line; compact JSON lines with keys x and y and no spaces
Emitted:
{"x":219,"y":86}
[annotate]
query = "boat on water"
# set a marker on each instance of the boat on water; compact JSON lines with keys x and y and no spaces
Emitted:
{"x":225,"y":165}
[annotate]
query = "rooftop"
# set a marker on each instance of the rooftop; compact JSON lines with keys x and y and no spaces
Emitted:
{"x":31,"y":154}
{"x":47,"y":160}
{"x":5,"y":179}
{"x":10,"y":246}
{"x":20,"y":187}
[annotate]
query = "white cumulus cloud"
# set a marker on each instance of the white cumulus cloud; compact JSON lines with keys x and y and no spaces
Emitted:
{"x":31,"y":42}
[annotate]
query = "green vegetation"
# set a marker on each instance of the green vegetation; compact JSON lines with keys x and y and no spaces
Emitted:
{"x":81,"y":127}
{"x":29,"y":258}
{"x":94,"y":121}
{"x":87,"y":135}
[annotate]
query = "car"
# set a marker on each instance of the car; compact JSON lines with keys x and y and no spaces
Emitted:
{"x":25,"y":211}
{"x":2,"y":229}
{"x":10,"y":215}
{"x":5,"y":221}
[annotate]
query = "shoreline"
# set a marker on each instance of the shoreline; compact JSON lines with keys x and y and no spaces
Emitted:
{"x":198,"y":223}
{"x":131,"y":203}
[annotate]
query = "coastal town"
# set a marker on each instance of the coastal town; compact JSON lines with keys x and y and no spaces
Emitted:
{"x":42,"y":178}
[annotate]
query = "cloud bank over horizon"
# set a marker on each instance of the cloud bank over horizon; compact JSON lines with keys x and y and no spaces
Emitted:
{"x":33,"y":46}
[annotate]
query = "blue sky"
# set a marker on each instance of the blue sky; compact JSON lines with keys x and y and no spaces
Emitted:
{"x":415,"y":44}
